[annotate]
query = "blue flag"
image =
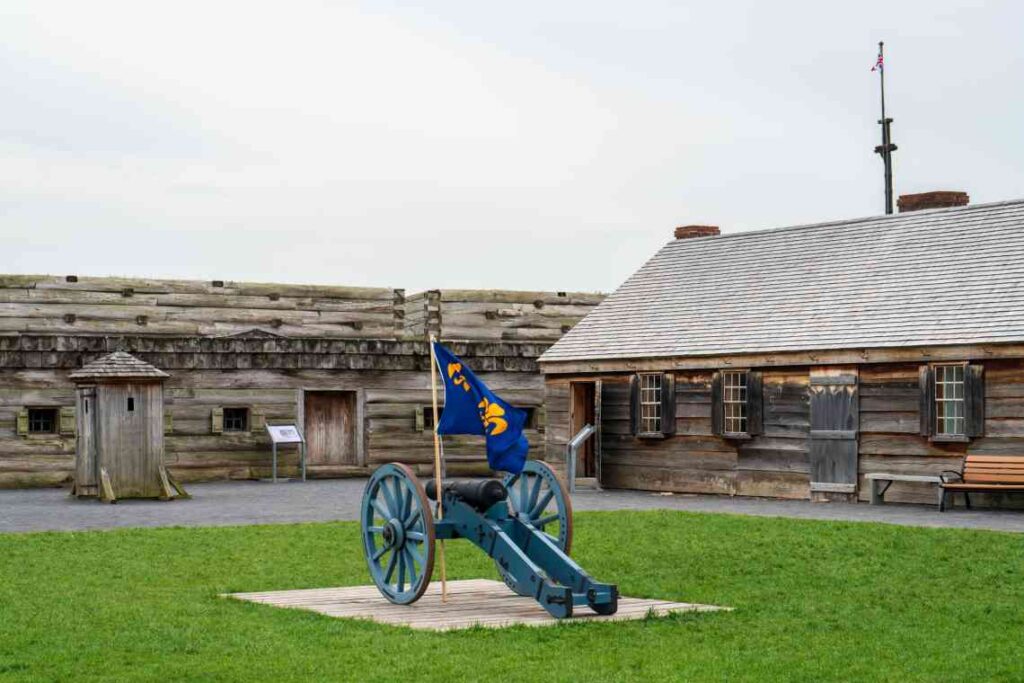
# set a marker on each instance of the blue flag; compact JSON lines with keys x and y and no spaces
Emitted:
{"x":471,"y":408}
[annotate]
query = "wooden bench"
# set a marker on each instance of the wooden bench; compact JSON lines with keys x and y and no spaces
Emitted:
{"x":879,"y":478}
{"x":983,"y":473}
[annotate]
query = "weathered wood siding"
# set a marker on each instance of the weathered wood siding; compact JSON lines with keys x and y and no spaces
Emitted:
{"x":496,"y":315}
{"x":890,"y":422}
{"x":47,"y":304}
{"x":267,"y":375}
{"x":776,"y":463}
{"x":694,"y":460}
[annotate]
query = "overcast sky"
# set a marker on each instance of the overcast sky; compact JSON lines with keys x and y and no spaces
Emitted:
{"x":523,"y":145}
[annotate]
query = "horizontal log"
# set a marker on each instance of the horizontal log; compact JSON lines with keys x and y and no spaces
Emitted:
{"x":891,"y":423}
{"x":28,"y":480}
{"x":672,"y":459}
{"x":665,"y":479}
{"x":792,"y":485}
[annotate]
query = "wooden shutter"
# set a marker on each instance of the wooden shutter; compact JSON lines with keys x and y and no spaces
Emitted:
{"x":541,"y":419}
{"x":257,"y":420}
{"x":217,"y":421}
{"x":168,"y":423}
{"x":668,"y":404}
{"x":926,"y":399}
{"x":67,"y":424}
{"x":974,"y":400}
{"x":421,"y":423}
{"x":717,"y":417}
{"x":755,"y":403}
{"x":22,"y":421}
{"x":634,"y":405}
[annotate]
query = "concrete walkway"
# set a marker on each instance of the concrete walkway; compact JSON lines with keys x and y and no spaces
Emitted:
{"x":253,"y":502}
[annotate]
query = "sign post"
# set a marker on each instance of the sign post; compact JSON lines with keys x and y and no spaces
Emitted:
{"x":287,"y":434}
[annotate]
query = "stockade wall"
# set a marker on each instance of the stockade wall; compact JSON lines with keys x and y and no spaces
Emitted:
{"x":46,"y":304}
{"x":776,"y":462}
{"x":496,"y":315}
{"x":390,"y":379}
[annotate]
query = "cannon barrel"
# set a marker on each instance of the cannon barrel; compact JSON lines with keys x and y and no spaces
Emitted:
{"x":478,"y":493}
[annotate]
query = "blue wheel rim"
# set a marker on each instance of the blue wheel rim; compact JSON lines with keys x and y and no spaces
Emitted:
{"x":537,"y":496}
{"x":398,"y":533}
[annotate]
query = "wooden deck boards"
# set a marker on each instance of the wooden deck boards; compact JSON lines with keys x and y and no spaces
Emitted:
{"x":473,"y":602}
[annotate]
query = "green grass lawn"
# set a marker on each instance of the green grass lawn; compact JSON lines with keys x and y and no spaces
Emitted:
{"x":813,"y":600}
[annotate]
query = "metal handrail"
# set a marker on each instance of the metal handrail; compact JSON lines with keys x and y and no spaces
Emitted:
{"x":570,"y":453}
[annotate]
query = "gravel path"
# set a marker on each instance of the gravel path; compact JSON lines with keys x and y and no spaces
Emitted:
{"x":255,"y":502}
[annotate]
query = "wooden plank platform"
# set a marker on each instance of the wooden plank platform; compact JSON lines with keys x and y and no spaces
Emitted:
{"x":473,"y":602}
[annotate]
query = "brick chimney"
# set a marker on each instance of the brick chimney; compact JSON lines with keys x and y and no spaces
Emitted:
{"x":931,"y":200}
{"x":685,"y":232}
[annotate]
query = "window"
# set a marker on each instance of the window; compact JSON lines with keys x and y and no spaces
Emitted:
{"x":236,"y":419}
{"x":949,"y":401}
{"x":428,"y":417}
{"x":131,"y":404}
{"x":734,"y":402}
{"x":650,"y":403}
{"x":42,"y":420}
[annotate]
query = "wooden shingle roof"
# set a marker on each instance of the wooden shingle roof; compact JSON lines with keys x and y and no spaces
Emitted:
{"x":939,"y":277}
{"x":118,"y":365}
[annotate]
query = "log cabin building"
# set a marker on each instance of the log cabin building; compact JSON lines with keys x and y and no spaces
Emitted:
{"x":349,"y":366}
{"x":792,"y":362}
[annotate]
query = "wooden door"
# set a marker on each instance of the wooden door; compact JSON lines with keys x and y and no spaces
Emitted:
{"x":835,"y":421}
{"x":583,"y":410}
{"x":330,"y":427}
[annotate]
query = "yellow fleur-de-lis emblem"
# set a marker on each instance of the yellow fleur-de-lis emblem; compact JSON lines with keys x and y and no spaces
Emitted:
{"x":492,"y":415}
{"x":455,"y":375}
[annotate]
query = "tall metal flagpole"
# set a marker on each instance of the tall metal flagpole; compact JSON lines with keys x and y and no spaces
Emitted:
{"x":886,"y":149}
{"x":439,"y":510}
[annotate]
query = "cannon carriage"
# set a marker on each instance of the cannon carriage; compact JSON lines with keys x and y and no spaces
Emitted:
{"x":523,"y":522}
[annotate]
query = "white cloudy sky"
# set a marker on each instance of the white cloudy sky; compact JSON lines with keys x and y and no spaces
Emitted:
{"x":525,"y":145}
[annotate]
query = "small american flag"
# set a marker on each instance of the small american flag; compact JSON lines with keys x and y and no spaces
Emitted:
{"x":878,"y":63}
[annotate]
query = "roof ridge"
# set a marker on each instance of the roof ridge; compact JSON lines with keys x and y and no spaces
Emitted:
{"x":907,"y":215}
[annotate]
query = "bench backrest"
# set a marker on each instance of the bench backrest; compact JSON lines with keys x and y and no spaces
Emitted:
{"x":994,"y":469}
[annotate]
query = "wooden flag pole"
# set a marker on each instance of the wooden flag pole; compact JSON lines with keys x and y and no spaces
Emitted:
{"x":439,"y":513}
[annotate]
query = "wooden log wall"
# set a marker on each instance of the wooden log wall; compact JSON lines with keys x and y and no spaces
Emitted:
{"x":267,"y":375}
{"x":69,"y":305}
{"x":694,"y":460}
{"x":496,"y":315}
{"x":890,"y":438}
{"x":776,"y":463}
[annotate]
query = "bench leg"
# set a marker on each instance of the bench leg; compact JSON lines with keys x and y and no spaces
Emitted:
{"x":943,"y":497}
{"x":876,"y":498}
{"x":967,"y":500}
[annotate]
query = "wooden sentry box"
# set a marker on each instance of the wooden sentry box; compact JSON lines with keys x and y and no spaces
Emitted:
{"x":120,"y":447}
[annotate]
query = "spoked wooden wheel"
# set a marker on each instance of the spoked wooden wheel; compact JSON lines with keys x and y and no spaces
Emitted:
{"x":538,"y":497}
{"x":398,"y":533}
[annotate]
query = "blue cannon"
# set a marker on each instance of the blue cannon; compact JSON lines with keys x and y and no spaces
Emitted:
{"x":524,"y":523}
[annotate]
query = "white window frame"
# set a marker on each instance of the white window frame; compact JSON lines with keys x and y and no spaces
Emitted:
{"x":651,"y":385}
{"x":735,"y":408}
{"x":950,"y":393}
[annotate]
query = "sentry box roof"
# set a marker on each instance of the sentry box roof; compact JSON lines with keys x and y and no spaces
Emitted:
{"x":118,"y":366}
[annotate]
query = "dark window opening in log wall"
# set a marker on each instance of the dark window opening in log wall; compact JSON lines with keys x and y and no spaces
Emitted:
{"x":734,"y":401}
{"x":131,"y":404}
{"x":650,"y":403}
{"x":428,"y":417}
{"x":949,"y":400}
{"x":236,"y":419}
{"x":42,"y":420}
